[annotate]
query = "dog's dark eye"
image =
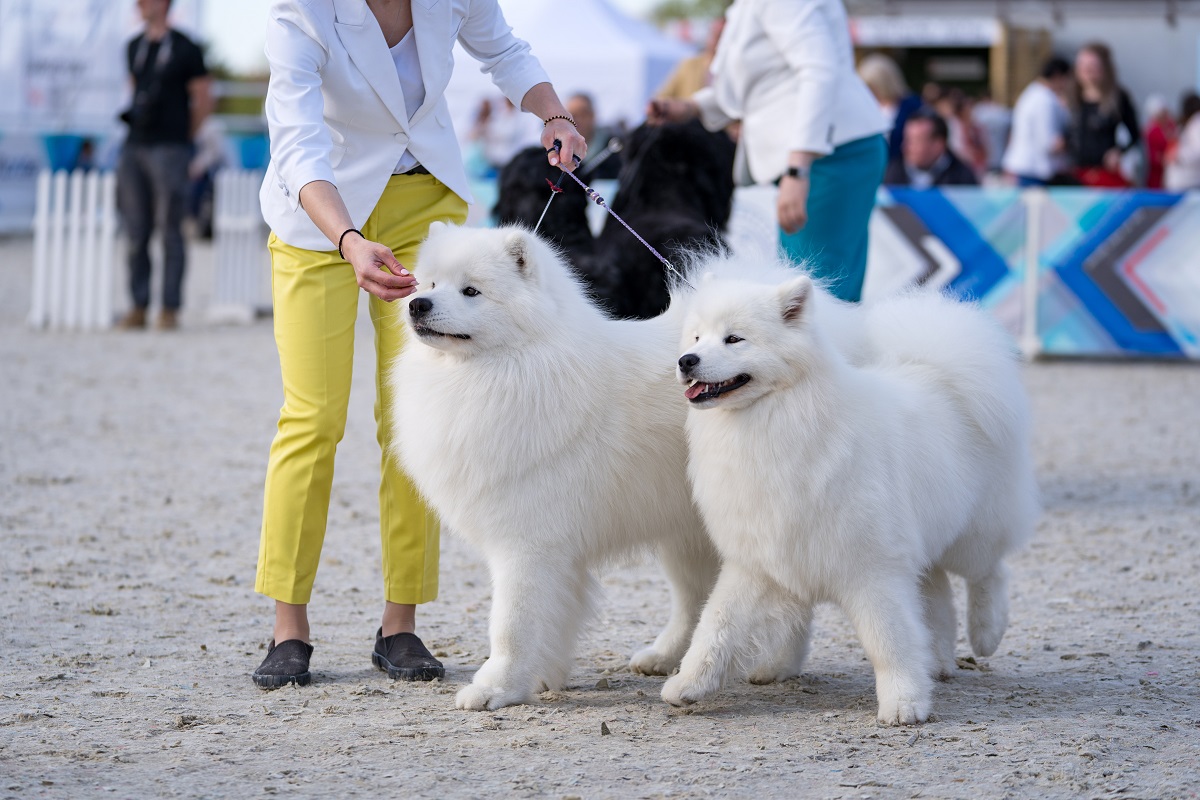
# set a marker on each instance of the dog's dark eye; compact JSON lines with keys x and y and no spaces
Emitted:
{"x":697,"y":338}
{"x":470,"y":291}
{"x":731,"y":339}
{"x":433,"y":286}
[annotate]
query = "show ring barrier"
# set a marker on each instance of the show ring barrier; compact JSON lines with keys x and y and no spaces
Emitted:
{"x":1068,"y":271}
{"x":74,"y":246}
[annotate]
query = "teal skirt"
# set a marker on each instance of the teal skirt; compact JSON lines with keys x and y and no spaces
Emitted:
{"x":841,"y":195}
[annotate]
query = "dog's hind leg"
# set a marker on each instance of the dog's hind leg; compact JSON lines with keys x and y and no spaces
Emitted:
{"x":788,"y":660}
{"x":740,"y":620}
{"x":531,"y":607}
{"x":987,"y":610}
{"x":691,"y":568}
{"x":938,"y":598}
{"x":886,"y":612}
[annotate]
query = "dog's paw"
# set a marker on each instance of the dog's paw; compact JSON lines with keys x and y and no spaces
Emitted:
{"x":480,"y":697}
{"x":772,"y":674}
{"x":680,"y":691}
{"x":649,"y":661}
{"x":901,"y":710}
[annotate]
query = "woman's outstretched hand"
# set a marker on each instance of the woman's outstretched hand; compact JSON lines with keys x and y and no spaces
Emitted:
{"x":377,"y":269}
{"x":660,"y":112}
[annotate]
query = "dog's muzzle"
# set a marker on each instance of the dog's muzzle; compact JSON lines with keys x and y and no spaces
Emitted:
{"x":419,"y":307}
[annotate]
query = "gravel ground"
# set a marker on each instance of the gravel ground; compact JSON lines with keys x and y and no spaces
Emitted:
{"x":130,"y":491}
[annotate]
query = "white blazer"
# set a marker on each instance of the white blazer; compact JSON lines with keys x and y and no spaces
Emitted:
{"x":785,"y":68}
{"x":335,"y":110}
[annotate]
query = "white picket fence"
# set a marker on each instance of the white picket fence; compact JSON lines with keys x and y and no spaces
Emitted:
{"x":74,"y":247}
{"x":242,"y":280}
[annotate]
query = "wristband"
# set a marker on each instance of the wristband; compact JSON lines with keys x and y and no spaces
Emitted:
{"x":343,"y":236}
{"x":548,"y":120}
{"x":799,"y":173}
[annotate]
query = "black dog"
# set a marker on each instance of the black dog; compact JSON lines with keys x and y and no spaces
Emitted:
{"x":676,"y":191}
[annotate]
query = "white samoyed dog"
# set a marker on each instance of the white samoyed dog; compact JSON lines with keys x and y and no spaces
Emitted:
{"x":861,"y":485}
{"x":552,"y":438}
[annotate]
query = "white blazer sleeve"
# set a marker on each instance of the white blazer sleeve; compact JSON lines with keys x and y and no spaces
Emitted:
{"x":300,"y":140}
{"x":487,"y":38}
{"x":803,"y":34}
{"x":711,"y":115}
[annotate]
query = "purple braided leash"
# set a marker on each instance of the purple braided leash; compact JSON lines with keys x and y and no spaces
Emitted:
{"x":595,"y":197}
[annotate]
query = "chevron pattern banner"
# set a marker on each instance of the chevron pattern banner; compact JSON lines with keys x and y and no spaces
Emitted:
{"x":1118,"y":273}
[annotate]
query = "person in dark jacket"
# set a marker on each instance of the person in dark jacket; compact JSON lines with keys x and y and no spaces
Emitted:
{"x":928,"y":160}
{"x":1100,"y":109}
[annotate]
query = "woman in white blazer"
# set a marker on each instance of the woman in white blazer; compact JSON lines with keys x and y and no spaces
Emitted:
{"x":363,"y":159}
{"x":785,"y":69}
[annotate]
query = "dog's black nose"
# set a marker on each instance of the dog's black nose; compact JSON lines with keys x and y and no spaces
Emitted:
{"x":419,"y":306}
{"x":688,"y":362}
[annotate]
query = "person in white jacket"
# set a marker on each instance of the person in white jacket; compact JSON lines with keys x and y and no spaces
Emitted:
{"x":363,"y":160}
{"x":785,"y":69}
{"x":1037,"y":145}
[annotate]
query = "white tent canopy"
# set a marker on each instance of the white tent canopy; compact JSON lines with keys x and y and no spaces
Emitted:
{"x":585,"y":45}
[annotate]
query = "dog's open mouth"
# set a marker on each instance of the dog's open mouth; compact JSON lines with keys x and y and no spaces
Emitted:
{"x":425,"y":330}
{"x":698,"y":392}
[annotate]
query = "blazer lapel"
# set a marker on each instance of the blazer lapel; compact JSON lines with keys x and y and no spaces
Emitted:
{"x":363,"y":40}
{"x":432,"y":27}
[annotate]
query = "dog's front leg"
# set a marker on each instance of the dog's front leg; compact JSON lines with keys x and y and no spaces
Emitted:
{"x":533,"y":603}
{"x":732,"y":629}
{"x":692,"y":568}
{"x":887,"y":613}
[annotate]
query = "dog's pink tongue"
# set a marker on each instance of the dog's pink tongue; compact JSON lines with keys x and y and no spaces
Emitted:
{"x":694,"y":390}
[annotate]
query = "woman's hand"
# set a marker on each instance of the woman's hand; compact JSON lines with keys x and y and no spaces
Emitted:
{"x":660,"y":112}
{"x":792,"y":203}
{"x":572,"y":144}
{"x":1112,"y":160}
{"x":377,"y":269}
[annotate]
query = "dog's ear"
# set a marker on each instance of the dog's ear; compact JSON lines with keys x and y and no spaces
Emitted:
{"x":517,"y":245}
{"x":794,"y":298}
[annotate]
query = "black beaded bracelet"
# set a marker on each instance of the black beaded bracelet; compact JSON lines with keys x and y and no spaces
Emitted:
{"x":343,"y":236}
{"x":548,"y":120}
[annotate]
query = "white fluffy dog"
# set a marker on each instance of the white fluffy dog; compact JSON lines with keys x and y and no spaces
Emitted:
{"x":864,"y":486}
{"x":552,"y":438}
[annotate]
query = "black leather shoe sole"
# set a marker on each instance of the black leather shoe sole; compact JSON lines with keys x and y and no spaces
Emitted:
{"x":277,"y":681}
{"x":407,"y":673}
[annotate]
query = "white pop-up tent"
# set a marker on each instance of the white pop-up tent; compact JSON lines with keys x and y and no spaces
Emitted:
{"x":585,"y":45}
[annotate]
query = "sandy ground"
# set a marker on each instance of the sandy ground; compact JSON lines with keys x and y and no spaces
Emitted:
{"x":130,"y":492}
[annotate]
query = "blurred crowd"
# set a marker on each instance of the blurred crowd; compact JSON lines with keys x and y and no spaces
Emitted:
{"x":1075,"y":125}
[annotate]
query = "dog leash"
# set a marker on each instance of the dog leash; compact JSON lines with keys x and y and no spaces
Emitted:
{"x":594,"y":196}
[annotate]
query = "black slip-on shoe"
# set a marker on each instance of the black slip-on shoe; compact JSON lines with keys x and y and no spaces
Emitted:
{"x":285,"y":663}
{"x":403,"y":657}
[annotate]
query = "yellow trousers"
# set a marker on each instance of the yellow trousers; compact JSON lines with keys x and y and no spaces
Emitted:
{"x":316,"y":297}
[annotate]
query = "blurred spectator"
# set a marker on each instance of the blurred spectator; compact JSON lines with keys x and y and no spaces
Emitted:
{"x":928,"y":160}
{"x":896,"y":100}
{"x":966,"y":137}
{"x":86,"y":159}
{"x":1161,"y":133}
{"x":931,"y":92}
{"x":692,"y":74}
{"x":171,"y":97}
{"x":603,"y":161}
{"x":1037,"y":145}
{"x":208,"y":157}
{"x":1183,"y":162}
{"x":504,"y":130}
{"x":995,"y":121}
{"x":1104,"y":124}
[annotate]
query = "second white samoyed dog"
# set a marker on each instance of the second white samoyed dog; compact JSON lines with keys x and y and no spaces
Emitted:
{"x":864,"y":486}
{"x":551,"y":437}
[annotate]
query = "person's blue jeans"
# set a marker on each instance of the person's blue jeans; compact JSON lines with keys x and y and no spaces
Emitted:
{"x":152,"y":191}
{"x":841,"y":195}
